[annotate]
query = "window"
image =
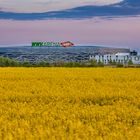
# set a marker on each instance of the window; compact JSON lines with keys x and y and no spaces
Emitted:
{"x":124,"y":57}
{"x":136,"y":58}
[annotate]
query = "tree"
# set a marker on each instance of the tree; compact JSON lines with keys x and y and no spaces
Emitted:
{"x":130,"y":62}
{"x":100,"y":63}
{"x":7,"y":62}
{"x":93,"y":63}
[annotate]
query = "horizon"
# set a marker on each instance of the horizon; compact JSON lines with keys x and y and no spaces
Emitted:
{"x":76,"y":45}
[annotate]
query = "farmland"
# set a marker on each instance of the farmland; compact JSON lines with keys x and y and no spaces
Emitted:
{"x":69,"y":103}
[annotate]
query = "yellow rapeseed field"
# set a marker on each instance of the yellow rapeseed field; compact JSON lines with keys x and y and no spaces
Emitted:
{"x":69,"y":103}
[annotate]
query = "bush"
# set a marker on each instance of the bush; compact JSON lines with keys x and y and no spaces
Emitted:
{"x":92,"y":63}
{"x":119,"y":65}
{"x":42,"y":64}
{"x":130,"y":62}
{"x":7,"y":62}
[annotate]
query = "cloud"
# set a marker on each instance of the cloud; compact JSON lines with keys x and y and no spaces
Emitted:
{"x":38,"y":6}
{"x":122,"y":9}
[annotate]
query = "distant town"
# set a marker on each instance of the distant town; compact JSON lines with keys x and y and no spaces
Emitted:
{"x":53,"y":54}
{"x":71,"y":56}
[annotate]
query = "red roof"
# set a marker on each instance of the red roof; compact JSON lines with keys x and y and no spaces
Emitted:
{"x":67,"y":44}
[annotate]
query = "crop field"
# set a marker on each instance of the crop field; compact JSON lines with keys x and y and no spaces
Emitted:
{"x":69,"y":103}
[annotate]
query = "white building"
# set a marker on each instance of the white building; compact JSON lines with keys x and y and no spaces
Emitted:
{"x":122,"y":58}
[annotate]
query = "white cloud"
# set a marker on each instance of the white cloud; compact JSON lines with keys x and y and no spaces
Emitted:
{"x":48,"y":5}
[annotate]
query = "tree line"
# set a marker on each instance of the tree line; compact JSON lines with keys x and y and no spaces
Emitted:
{"x":8,"y":62}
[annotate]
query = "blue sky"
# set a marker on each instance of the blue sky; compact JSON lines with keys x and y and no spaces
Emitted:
{"x":102,"y":22}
